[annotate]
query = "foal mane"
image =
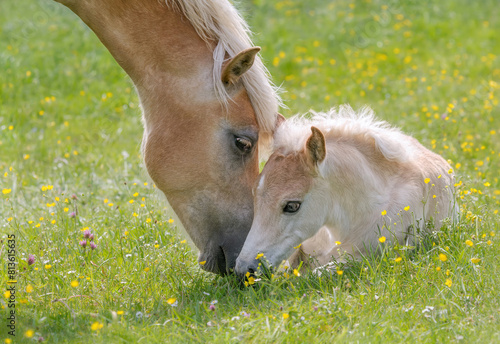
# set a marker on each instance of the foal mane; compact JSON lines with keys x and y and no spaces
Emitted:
{"x":292,"y":134}
{"x":218,"y":20}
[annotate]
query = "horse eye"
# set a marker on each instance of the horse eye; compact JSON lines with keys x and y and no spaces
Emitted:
{"x":291,"y":207}
{"x":244,"y":145}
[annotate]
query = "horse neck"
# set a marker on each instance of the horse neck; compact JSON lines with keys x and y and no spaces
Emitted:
{"x":355,"y":186}
{"x":156,"y":45}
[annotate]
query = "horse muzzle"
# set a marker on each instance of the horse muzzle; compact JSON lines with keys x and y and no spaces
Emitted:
{"x":218,"y":259}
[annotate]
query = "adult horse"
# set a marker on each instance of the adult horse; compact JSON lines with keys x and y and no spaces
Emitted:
{"x":205,"y":111}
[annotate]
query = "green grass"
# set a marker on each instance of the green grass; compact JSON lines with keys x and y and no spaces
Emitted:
{"x":69,"y":119}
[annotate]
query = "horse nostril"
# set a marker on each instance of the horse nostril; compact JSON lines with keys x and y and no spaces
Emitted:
{"x":251,"y":270}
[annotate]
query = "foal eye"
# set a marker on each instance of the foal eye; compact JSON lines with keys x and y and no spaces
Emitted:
{"x":244,"y":145}
{"x":291,"y":207}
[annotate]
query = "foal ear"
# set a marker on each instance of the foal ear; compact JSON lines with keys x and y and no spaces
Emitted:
{"x":279,"y":120}
{"x":238,"y":65}
{"x":316,"y":146}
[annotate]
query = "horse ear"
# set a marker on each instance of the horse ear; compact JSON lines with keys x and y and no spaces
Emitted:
{"x":238,"y":65}
{"x":316,"y":146}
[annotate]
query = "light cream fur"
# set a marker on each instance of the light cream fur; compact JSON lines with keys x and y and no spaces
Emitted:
{"x":356,"y":195}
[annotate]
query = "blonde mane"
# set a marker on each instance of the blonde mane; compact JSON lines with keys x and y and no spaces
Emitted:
{"x":218,"y":20}
{"x":292,"y":134}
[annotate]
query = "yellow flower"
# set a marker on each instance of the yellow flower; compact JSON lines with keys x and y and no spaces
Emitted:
{"x":407,"y":208}
{"x":489,"y":242}
{"x":443,"y":257}
{"x":136,"y":194}
{"x":450,"y":171}
{"x":469,"y":243}
{"x":251,"y":280}
{"x":96,"y":326}
{"x":6,"y":191}
{"x":427,"y":180}
{"x":148,"y":220}
{"x":203,"y":262}
{"x":448,"y":283}
{"x":286,"y":316}
{"x":29,"y":333}
{"x":296,"y":272}
{"x":29,"y":288}
{"x":438,"y":268}
{"x":8,"y":341}
{"x":398,"y":259}
{"x":121,"y":312}
{"x":475,"y":260}
{"x":75,"y":284}
{"x":337,"y":243}
{"x":260,"y":255}
{"x":146,"y":269}
{"x":48,"y":266}
{"x":131,"y":201}
{"x":340,"y":272}
{"x":492,"y":233}
{"x":382,"y":239}
{"x":487,"y":184}
{"x":6,"y":294}
{"x":184,"y":241}
{"x":170,"y":221}
{"x":384,"y":212}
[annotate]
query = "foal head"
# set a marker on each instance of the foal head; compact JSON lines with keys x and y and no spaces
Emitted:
{"x":288,"y":204}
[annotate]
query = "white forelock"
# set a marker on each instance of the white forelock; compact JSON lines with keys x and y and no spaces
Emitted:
{"x":293,"y":133}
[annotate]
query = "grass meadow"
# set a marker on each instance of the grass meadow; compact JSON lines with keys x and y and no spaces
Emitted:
{"x":70,"y":133}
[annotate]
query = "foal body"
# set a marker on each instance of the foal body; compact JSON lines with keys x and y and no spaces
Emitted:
{"x":337,"y":183}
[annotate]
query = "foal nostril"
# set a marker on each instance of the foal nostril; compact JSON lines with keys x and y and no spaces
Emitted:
{"x":251,"y":270}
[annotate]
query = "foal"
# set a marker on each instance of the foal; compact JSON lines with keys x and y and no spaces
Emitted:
{"x":339,"y":182}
